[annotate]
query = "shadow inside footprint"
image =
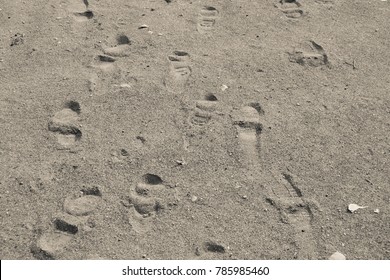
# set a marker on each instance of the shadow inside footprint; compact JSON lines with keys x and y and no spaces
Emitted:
{"x":104,"y":62}
{"x":123,"y":40}
{"x":84,"y":16}
{"x":152,"y":179}
{"x":64,"y":226}
{"x":211,"y":97}
{"x":91,"y":191}
{"x":214,"y":247}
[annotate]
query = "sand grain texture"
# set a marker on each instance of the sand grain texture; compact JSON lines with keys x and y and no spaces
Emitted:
{"x":194,"y":129}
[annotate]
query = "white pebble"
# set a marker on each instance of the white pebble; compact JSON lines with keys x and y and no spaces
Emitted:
{"x":337,"y":256}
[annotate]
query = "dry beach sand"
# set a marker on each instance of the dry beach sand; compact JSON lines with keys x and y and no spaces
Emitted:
{"x":195,"y":129}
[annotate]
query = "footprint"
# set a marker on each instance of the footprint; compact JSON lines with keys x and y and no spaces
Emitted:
{"x":206,"y":19}
{"x":50,"y":246}
{"x":249,"y":128}
{"x":65,"y":124}
{"x":122,"y":48}
{"x":67,"y":224}
{"x":296,"y":211}
{"x":83,"y":205}
{"x":179,"y":68}
{"x":291,"y":8}
{"x":103,"y":74}
{"x":203,"y":110}
{"x":146,"y":200}
{"x":309,"y":54}
{"x":200,"y":118}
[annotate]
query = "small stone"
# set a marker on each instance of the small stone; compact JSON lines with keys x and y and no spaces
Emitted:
{"x":337,"y":256}
{"x":353,"y":207}
{"x":143,"y":26}
{"x":180,"y":162}
{"x":376,"y":211}
{"x":244,"y":197}
{"x":224,"y":87}
{"x":194,"y":198}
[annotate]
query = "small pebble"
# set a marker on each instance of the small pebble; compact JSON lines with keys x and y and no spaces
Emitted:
{"x":337,"y":256}
{"x":224,"y":87}
{"x":353,"y":207}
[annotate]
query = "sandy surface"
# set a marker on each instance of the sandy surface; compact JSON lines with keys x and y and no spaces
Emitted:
{"x":194,"y":129}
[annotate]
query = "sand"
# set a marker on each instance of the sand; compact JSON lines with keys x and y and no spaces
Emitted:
{"x":194,"y":129}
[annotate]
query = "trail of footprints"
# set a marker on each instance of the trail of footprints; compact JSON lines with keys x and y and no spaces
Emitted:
{"x":284,"y":194}
{"x":68,"y":224}
{"x":152,"y":196}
